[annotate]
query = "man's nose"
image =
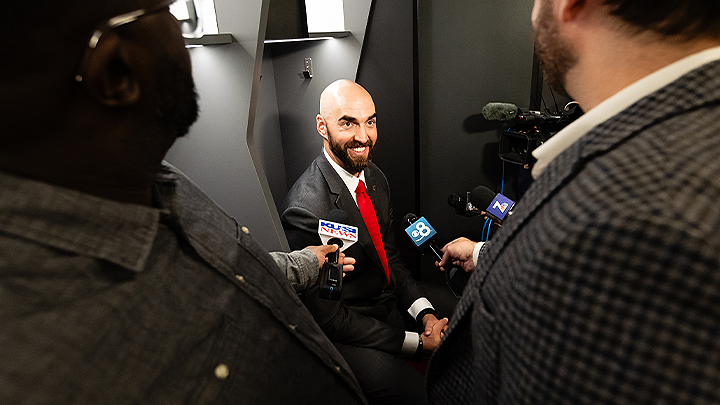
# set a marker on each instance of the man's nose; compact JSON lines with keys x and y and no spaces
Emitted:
{"x":361,"y":134}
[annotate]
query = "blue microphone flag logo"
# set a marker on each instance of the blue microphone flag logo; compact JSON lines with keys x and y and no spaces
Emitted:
{"x":500,"y":206}
{"x":420,"y":231}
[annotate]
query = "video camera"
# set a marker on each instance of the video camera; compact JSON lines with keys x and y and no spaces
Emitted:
{"x":528,"y":129}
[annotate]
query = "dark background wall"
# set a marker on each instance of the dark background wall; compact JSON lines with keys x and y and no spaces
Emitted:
{"x":299,"y":99}
{"x":470,"y":53}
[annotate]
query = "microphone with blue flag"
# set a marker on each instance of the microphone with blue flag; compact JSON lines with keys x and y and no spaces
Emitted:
{"x":421,"y":233}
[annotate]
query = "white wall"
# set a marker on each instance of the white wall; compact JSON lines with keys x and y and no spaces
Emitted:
{"x":215,"y":154}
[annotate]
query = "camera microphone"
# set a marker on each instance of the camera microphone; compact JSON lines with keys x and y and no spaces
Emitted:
{"x":518,"y":116}
{"x":500,"y":111}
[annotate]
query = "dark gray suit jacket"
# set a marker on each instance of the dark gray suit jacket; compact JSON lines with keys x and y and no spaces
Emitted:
{"x":360,"y":317}
{"x":604,"y":286}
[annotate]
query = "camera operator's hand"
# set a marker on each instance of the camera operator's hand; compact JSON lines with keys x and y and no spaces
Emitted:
{"x":321,"y":251}
{"x":431,"y":341}
{"x":458,"y":253}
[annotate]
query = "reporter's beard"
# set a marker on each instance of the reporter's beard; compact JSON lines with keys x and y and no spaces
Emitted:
{"x":556,"y":56}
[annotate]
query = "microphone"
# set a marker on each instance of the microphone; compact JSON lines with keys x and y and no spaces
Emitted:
{"x":421,"y":234}
{"x":334,"y":233}
{"x":498,"y":207}
{"x":499,"y":111}
{"x":519,"y":117}
{"x":463,"y":204}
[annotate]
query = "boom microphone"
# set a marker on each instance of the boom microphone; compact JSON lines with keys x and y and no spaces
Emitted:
{"x":421,"y":234}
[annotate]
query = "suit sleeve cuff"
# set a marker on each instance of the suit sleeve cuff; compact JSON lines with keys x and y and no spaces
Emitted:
{"x":420,"y":305}
{"x":411,"y":343}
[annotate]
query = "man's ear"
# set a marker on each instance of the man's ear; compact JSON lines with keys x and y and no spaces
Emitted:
{"x":109,"y":75}
{"x":321,"y":128}
{"x":570,"y":9}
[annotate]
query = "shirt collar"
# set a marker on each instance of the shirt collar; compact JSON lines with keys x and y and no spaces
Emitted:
{"x":76,"y":222}
{"x":351,"y":182}
{"x":617,"y":103}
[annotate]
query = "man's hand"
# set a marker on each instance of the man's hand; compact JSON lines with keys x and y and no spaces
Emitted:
{"x":321,"y":251}
{"x":434,"y":331}
{"x":429,"y":322}
{"x":458,"y":253}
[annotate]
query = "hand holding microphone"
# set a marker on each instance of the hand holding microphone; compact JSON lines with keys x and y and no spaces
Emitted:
{"x":421,"y":234}
{"x":341,"y":235}
{"x":323,"y":250}
{"x":458,"y":253}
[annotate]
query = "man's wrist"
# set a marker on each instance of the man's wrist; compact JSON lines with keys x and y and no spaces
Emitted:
{"x":426,"y":311}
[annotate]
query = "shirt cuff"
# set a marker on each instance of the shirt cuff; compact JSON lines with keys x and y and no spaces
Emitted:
{"x":476,"y":252}
{"x":410,"y":345}
{"x":418,"y":306}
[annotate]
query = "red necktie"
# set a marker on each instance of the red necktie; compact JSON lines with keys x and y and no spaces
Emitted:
{"x":368,"y":213}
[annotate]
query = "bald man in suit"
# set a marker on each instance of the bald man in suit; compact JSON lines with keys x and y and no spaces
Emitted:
{"x":366,"y":325}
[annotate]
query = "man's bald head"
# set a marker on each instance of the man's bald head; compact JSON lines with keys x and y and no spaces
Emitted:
{"x":347,"y":124}
{"x":341,"y":93}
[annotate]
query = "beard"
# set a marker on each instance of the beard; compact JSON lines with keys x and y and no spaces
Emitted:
{"x":178,"y":104}
{"x":352,"y":164}
{"x":556,"y":56}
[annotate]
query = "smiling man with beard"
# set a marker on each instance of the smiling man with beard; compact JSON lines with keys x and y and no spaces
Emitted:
{"x":120,"y":281}
{"x":603,"y":287}
{"x":367,"y":324}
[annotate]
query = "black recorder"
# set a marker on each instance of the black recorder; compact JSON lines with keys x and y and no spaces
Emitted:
{"x":331,"y":274}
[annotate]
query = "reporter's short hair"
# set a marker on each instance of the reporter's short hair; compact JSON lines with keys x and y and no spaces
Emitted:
{"x":670,"y":18}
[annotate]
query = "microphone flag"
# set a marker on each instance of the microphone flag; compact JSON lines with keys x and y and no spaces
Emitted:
{"x":328,"y":230}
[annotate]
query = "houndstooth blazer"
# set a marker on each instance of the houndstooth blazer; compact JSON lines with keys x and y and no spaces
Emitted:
{"x":604,"y":286}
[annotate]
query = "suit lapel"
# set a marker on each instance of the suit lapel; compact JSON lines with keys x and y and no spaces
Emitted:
{"x":345,"y":202}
